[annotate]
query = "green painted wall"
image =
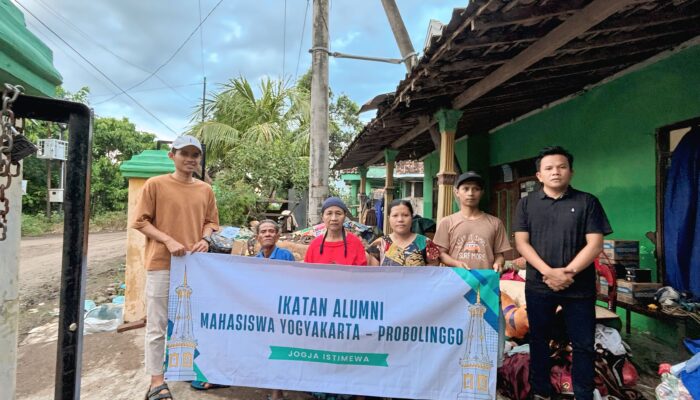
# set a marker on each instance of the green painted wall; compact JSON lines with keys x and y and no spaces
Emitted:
{"x":611,"y":131}
{"x":473,"y":155}
{"x":431,"y":166}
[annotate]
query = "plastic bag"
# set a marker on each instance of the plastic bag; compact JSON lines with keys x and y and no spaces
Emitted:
{"x":105,"y":318}
{"x":671,"y":388}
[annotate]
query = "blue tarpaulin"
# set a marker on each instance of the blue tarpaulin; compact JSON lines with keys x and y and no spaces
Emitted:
{"x":682,"y":216}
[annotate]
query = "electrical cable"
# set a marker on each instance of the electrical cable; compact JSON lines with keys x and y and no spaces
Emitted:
{"x":301,"y":41}
{"x":176,"y":51}
{"x":95,"y":67}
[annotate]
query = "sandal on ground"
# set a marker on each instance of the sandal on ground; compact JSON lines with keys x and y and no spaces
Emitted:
{"x":199,"y":385}
{"x":155,"y":393}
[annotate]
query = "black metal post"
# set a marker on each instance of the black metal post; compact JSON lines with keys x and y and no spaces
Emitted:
{"x":75,"y":233}
{"x":204,"y":161}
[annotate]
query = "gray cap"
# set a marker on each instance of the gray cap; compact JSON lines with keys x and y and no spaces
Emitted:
{"x":470,"y":176}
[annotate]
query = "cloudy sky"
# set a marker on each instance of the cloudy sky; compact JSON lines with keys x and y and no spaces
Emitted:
{"x":130,"y":39}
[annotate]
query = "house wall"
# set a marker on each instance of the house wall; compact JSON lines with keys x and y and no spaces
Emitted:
{"x":611,"y":131}
{"x":431,"y":166}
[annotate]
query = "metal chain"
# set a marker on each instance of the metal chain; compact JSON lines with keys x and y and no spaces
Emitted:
{"x":8,"y":132}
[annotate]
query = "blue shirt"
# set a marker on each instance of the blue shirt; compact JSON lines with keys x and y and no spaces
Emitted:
{"x":278,"y":254}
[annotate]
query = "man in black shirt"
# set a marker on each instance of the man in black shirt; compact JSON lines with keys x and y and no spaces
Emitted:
{"x":559,"y":230}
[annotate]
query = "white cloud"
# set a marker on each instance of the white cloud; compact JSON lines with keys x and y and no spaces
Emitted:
{"x":240,"y":38}
{"x":344,"y":41}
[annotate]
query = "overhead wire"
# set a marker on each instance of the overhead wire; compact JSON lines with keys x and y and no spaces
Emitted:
{"x":82,"y":65}
{"x":201,"y":36}
{"x":301,"y":41}
{"x":95,"y":67}
{"x":176,"y":51}
{"x":107,"y":49}
{"x":153,"y":89}
{"x":284,"y":38}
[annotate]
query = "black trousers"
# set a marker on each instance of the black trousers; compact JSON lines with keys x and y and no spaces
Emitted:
{"x":579,"y":319}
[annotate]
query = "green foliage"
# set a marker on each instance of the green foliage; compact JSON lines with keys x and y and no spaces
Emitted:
{"x":114,"y":141}
{"x":235,"y":200}
{"x":37,"y":224}
{"x":110,"y":221}
{"x":259,"y":144}
{"x":343,"y":123}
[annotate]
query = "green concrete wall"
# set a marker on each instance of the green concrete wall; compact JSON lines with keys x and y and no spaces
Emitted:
{"x":473,"y":155}
{"x":431,"y":166}
{"x":611,"y":131}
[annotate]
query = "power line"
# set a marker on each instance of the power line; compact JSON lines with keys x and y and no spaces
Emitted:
{"x":301,"y":42}
{"x":105,"y":48}
{"x":201,"y":36}
{"x":95,"y":67}
{"x":176,"y":51}
{"x":48,"y":39}
{"x":153,"y":89}
{"x":284,"y":38}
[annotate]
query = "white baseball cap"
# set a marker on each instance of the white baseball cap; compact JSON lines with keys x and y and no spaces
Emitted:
{"x":184,"y":141}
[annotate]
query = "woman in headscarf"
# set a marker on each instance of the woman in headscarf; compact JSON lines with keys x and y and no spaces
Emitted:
{"x":336,"y":247}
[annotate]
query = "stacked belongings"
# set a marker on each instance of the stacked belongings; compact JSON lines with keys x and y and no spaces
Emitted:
{"x":223,"y":240}
{"x":616,"y":376}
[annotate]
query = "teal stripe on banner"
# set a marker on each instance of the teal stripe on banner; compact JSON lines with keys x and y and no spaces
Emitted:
{"x":328,"y":357}
{"x":487,"y":283}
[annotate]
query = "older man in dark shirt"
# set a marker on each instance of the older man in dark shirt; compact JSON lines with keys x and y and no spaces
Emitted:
{"x":559,"y":230}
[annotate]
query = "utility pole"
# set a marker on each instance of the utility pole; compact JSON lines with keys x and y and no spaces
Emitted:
{"x":318,"y":160}
{"x":400,"y":33}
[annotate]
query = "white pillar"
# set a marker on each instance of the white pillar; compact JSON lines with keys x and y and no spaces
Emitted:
{"x":9,"y":291}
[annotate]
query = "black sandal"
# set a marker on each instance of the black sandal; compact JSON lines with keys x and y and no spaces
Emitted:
{"x":155,"y":393}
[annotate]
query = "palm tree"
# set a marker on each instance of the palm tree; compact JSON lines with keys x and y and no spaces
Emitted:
{"x":236,"y":115}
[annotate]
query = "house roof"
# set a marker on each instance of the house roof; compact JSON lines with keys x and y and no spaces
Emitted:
{"x":497,"y":60}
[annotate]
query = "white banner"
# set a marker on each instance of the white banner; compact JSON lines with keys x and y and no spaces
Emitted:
{"x":405,"y":332}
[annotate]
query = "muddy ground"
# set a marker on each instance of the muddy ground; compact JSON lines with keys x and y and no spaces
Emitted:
{"x":113,"y":362}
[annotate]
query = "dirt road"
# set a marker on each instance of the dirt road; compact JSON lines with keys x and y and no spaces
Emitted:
{"x":112,"y":362}
{"x":40,"y":273}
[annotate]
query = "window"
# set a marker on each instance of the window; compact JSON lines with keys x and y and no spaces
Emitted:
{"x":418,"y":189}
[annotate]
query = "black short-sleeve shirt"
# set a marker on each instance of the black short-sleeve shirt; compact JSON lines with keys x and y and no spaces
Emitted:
{"x":558,"y":229}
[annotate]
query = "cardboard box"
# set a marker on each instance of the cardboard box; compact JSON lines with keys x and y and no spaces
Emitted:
{"x":620,"y":250}
{"x":635,"y":292}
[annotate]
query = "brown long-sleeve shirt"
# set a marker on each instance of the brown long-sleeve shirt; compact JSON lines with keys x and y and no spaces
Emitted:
{"x":181,"y":210}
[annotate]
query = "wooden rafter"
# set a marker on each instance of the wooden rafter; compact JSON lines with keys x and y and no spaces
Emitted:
{"x":585,"y":19}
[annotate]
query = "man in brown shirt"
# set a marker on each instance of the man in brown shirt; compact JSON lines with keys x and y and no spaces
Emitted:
{"x":471,"y":238}
{"x":177,"y":213}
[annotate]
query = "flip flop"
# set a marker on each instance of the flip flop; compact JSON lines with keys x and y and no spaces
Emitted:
{"x":154,"y":393}
{"x":199,"y":385}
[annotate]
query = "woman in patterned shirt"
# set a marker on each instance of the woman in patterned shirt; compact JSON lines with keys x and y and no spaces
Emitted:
{"x":402,"y":247}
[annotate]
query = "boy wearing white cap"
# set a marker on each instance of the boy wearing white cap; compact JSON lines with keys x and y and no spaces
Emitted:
{"x":177,"y":213}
